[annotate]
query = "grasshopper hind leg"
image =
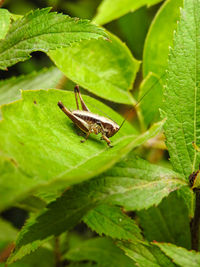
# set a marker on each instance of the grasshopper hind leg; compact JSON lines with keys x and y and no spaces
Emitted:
{"x":84,"y":107}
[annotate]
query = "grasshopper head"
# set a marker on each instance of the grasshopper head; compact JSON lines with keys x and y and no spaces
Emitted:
{"x":112,"y":130}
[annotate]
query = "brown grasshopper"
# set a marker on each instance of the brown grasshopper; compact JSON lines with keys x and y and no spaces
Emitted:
{"x":89,"y":122}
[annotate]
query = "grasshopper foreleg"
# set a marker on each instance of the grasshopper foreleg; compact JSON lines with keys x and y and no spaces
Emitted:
{"x":87,"y":135}
{"x":103,"y":132}
{"x":107,"y":140}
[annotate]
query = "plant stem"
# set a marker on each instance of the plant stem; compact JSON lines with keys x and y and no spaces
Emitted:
{"x":57,"y":253}
{"x":195,"y":223}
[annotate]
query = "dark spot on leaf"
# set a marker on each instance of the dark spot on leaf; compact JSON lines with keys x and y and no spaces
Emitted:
{"x":35,"y":102}
{"x":14,"y":162}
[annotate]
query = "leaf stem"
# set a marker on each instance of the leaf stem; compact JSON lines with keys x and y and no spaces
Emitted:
{"x":57,"y":252}
{"x":196,"y":223}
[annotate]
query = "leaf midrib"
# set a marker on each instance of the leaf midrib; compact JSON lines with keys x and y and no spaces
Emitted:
{"x":195,"y":90}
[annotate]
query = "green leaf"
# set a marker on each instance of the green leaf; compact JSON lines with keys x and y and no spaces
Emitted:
{"x":142,"y":184}
{"x":111,"y":221}
{"x":107,"y":69}
{"x":4,"y":22}
{"x":189,"y":198}
{"x":41,"y":146}
{"x":113,"y":9}
{"x":145,"y":254}
{"x":158,"y":222}
{"x":180,"y":256}
{"x":100,"y":250}
{"x":10,"y":176}
{"x":182,"y":93}
{"x":160,"y":37}
{"x":42,"y":257}
{"x":150,"y":92}
{"x":132,"y":183}
{"x":41,"y":31}
{"x":32,"y":203}
{"x":133,"y":36}
{"x":44,"y":79}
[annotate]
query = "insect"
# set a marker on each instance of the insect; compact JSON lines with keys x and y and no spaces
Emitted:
{"x":89,"y":122}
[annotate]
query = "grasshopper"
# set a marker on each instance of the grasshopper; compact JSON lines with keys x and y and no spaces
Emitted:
{"x":89,"y":122}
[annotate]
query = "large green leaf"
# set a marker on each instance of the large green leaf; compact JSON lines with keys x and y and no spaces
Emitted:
{"x":41,"y":31}
{"x":113,"y":9}
{"x":144,"y":184}
{"x":158,"y":222}
{"x":160,"y":37}
{"x":182,"y":92}
{"x":44,"y":79}
{"x":145,"y":254}
{"x":40,"y":145}
{"x":180,"y":256}
{"x":107,"y":69}
{"x":132,"y":183}
{"x":111,"y":221}
{"x":4,"y":22}
{"x":100,"y":250}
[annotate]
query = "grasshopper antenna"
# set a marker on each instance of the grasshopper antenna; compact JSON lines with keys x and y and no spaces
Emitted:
{"x":141,"y":99}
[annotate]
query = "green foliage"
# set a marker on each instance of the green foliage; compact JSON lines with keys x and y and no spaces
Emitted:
{"x":99,"y":250}
{"x":41,"y":31}
{"x":144,"y":254}
{"x":181,"y":94}
{"x":135,"y":36}
{"x":27,"y":153}
{"x":111,"y":221}
{"x":180,"y":256}
{"x":110,"y":10}
{"x":160,"y":37}
{"x":72,"y":191}
{"x":158,"y":222}
{"x":110,"y":79}
{"x":120,"y":186}
{"x":43,"y":256}
{"x":4,"y":22}
{"x":45,"y":79}
{"x":151,"y":88}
